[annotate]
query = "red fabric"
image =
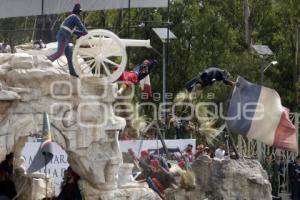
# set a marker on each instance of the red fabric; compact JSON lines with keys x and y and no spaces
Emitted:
{"x":181,"y":164}
{"x":155,"y":163}
{"x":124,"y":136}
{"x":285,"y":136}
{"x":129,"y":77}
{"x":144,"y":153}
{"x":159,"y":186}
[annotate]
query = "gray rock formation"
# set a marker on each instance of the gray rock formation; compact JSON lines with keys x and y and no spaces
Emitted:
{"x":226,"y":180}
{"x":82,"y":119}
{"x":239,"y":179}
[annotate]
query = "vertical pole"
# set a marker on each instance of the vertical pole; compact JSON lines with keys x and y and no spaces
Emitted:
{"x":262,"y":74}
{"x":164,"y":88}
{"x":166,"y":63}
{"x":34,"y":29}
{"x":296,"y":122}
{"x":42,"y":11}
{"x":128,"y":29}
{"x":44,"y":23}
{"x":259,"y":149}
{"x":295,"y":69}
{"x":129,"y":16}
{"x":246,"y":19}
{"x":46,"y":176}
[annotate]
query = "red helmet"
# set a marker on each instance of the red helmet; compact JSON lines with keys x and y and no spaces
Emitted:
{"x":155,"y":163}
{"x":144,"y":153}
{"x":181,"y":164}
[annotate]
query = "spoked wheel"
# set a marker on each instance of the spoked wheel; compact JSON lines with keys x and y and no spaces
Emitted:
{"x":100,"y":54}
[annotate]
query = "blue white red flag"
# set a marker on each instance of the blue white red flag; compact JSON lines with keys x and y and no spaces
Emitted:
{"x":256,"y":112}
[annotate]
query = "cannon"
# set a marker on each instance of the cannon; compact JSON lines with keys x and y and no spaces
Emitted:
{"x":102,"y":54}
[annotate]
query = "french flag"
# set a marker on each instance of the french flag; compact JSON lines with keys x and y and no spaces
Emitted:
{"x":256,"y":112}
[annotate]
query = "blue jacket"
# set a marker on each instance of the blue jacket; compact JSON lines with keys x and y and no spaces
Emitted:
{"x":74,"y":23}
{"x":212,"y":73}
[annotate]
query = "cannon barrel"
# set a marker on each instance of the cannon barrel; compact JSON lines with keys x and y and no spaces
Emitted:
{"x":107,"y":42}
{"x":136,"y":43}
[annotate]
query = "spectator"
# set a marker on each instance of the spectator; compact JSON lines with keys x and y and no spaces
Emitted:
{"x":188,"y":152}
{"x":124,"y":136}
{"x":5,"y":48}
{"x":291,"y":166}
{"x":70,"y":191}
{"x":199,"y":150}
{"x":178,"y":125}
{"x":7,"y":187}
{"x":7,"y":164}
{"x":296,"y":179}
{"x":205,"y":153}
{"x":182,"y":164}
{"x":277,"y":167}
{"x":220,"y":152}
{"x":268,"y":166}
{"x":39,"y":44}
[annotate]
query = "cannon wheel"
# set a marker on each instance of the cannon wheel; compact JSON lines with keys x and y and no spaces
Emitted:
{"x":100,"y":54}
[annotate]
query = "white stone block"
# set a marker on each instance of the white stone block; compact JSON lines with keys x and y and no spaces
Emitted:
{"x":22,"y":61}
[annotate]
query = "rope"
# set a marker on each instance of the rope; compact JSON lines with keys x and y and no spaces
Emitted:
{"x":62,"y":66}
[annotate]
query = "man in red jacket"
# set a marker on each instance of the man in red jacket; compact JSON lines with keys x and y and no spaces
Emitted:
{"x":134,"y":77}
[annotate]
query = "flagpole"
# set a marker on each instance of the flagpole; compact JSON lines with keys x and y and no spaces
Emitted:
{"x":46,"y":176}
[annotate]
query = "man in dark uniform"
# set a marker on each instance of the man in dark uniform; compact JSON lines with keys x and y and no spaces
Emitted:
{"x":70,"y":190}
{"x":72,"y":24}
{"x":145,"y":161}
{"x":208,"y":77}
{"x":7,"y":187}
{"x":160,"y":178}
{"x":296,"y":179}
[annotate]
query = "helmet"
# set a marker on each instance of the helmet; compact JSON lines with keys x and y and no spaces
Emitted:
{"x":181,"y":164}
{"x":144,"y":153}
{"x":155,"y":163}
{"x":77,"y":9}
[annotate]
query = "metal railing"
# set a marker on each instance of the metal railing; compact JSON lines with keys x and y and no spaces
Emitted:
{"x":248,"y":148}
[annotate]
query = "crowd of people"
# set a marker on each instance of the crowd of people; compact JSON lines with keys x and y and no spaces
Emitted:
{"x":275,"y":168}
{"x":160,"y":174}
{"x":69,"y":188}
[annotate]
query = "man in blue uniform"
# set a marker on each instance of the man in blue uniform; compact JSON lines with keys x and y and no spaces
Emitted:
{"x":208,"y":77}
{"x":72,"y":24}
{"x":296,"y":179}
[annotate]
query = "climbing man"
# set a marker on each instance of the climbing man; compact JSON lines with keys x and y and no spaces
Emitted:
{"x":72,"y":24}
{"x":135,"y":76}
{"x":208,"y":77}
